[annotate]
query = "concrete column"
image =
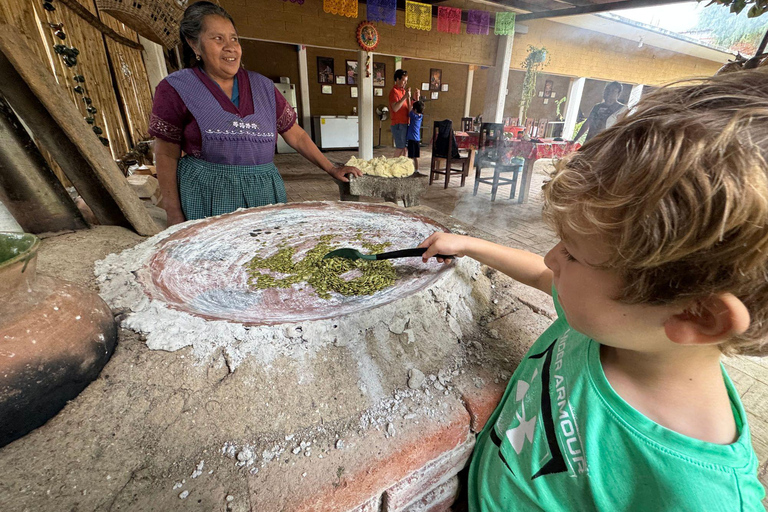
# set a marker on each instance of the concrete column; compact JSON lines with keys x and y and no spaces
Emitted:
{"x":154,"y":61}
{"x":496,"y":92}
{"x":468,"y":97}
{"x":575,"y":92}
{"x":634,"y":96}
{"x":365,"y":104}
{"x":306,"y":119}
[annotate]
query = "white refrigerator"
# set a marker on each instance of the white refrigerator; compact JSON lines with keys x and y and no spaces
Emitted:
{"x":289,"y":92}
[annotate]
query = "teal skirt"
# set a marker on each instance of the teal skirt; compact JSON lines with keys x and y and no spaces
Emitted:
{"x":207,"y":189}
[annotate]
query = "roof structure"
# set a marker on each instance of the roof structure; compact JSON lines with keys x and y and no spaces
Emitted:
{"x":539,"y":9}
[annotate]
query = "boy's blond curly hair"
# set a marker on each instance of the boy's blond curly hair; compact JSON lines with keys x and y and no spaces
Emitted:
{"x":678,"y":191}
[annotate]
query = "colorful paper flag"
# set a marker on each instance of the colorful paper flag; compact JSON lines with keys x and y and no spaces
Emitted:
{"x":418,"y":15}
{"x":477,"y":22}
{"x":346,"y":8}
{"x":449,"y":20}
{"x":382,"y":10}
{"x":505,"y":24}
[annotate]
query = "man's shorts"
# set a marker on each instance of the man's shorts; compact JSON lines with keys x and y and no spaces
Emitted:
{"x":414,"y":149}
{"x":399,"y":134}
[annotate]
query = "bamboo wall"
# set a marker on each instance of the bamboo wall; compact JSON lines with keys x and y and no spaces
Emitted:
{"x":123,"y":103}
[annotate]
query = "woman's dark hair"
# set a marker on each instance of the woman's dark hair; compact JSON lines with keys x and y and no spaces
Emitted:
{"x":192,"y":24}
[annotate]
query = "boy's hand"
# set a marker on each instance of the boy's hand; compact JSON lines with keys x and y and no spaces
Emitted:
{"x":444,"y":243}
{"x":417,"y":94}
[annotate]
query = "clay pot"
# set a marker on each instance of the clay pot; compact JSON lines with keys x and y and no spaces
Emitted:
{"x":55,"y":337}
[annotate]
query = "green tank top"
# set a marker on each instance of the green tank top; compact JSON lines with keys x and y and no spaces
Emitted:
{"x":562,"y":439}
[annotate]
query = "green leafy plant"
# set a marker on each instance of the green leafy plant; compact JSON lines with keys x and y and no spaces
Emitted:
{"x":757,"y":7}
{"x":559,"y":104}
{"x":533,"y":64}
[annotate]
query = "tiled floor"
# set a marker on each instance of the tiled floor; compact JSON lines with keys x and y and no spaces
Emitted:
{"x":516,"y":225}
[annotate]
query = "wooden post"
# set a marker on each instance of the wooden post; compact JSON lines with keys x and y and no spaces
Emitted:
{"x":59,"y":128}
{"x":28,"y":188}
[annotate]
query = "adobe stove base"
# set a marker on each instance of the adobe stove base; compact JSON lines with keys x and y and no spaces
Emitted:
{"x":374,"y":410}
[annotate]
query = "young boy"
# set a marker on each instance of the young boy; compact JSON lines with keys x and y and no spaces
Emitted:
{"x":622,"y":404}
{"x":414,"y":131}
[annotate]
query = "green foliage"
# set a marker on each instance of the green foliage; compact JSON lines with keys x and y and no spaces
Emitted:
{"x":757,"y":7}
{"x":741,"y":32}
{"x":533,"y":64}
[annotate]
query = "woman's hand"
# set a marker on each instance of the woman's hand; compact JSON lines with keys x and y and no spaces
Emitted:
{"x":444,"y":243}
{"x":340,"y":173}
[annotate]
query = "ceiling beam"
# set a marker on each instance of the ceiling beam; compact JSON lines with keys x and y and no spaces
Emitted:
{"x":593,"y":9}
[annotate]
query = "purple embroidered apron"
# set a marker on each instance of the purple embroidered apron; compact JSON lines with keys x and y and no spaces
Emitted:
{"x":235,"y":169}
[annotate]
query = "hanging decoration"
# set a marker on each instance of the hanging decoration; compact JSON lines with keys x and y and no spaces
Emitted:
{"x":533,"y":63}
{"x":505,"y":24}
{"x":69,"y":55}
{"x":157,"y":20}
{"x":418,"y":15}
{"x":300,"y":2}
{"x":87,"y":16}
{"x":382,"y":10}
{"x":477,"y":22}
{"x":367,"y":36}
{"x":346,"y":8}
{"x":449,"y":20}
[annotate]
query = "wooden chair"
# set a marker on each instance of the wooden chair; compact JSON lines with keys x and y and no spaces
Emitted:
{"x":529,"y":124}
{"x":541,"y":129}
{"x":490,"y":155}
{"x":444,"y":149}
{"x":467,"y":124}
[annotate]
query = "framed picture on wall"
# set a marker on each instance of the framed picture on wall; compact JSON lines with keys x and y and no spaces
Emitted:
{"x":435,"y":95}
{"x":327,"y":89}
{"x":435,"y":79}
{"x":341,"y":80}
{"x":444,"y":87}
{"x":548,"y":88}
{"x":379,"y":74}
{"x":351,"y":69}
{"x":325,"y":70}
{"x":353,"y":92}
{"x":378,"y":92}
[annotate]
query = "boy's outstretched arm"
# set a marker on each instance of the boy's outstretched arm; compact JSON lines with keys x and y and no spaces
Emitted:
{"x":523,"y":266}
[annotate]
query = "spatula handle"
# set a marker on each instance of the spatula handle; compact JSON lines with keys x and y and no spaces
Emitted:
{"x":407,"y":253}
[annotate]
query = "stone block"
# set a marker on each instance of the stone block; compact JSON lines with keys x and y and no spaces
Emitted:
{"x":481,"y":394}
{"x":370,"y":462}
{"x":437,"y":500}
{"x":408,"y":189}
{"x":143,"y":185}
{"x":427,"y":479}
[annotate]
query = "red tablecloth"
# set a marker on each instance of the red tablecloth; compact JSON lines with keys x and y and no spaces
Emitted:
{"x":467,"y":140}
{"x":536,"y":150}
{"x":521,"y":148}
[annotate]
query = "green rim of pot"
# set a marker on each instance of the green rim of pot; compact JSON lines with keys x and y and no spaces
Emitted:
{"x":17,"y":247}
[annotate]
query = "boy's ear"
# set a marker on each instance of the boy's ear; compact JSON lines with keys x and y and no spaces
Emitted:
{"x":709,"y":321}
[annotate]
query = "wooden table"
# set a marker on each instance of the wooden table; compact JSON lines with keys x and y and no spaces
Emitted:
{"x":525,"y":149}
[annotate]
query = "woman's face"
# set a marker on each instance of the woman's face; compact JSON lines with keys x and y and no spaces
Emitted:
{"x":219,"y":47}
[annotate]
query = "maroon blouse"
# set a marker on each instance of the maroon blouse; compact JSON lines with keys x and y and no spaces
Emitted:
{"x":172,"y":122}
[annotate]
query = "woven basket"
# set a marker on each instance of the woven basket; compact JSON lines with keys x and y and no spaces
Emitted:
{"x":157,"y":20}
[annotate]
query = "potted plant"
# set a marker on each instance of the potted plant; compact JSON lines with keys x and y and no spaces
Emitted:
{"x":533,"y":64}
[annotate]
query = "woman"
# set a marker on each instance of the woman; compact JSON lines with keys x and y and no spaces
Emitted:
{"x":226,"y":121}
